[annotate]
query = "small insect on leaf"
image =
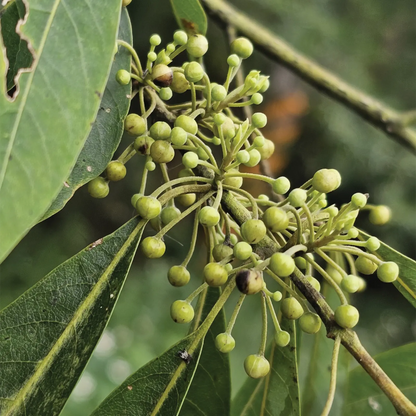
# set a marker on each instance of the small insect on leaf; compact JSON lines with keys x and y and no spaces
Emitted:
{"x":185,"y":356}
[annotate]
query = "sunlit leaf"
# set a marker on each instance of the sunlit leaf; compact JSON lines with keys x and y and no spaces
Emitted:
{"x":365,"y":398}
{"x":43,"y":130}
{"x":190,"y":16}
{"x":48,"y":334}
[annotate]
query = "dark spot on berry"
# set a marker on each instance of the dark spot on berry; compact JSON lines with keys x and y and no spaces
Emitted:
{"x":242,"y":280}
{"x":142,"y":149}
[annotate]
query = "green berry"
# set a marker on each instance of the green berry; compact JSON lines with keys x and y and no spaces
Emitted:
{"x":155,"y":40}
{"x":135,"y":198}
{"x":125,"y":3}
{"x":169,"y":214}
{"x":310,"y":323}
{"x":335,"y":274}
{"x":259,"y":141}
{"x":197,"y":45}
{"x":388,"y":272}
{"x":249,"y":282}
{"x":291,"y":308}
{"x":180,"y":37}
{"x":142,"y":144}
{"x":178,"y":136}
{"x":150,"y":165}
{"x":152,"y":56}
{"x":350,"y":283}
{"x":264,"y":84}
{"x":276,"y":219}
{"x":134,"y":124}
{"x":98,"y":187}
{"x":162,"y":151}
{"x":242,"y":251}
{"x":242,"y":47}
{"x":153,"y":248}
{"x":263,"y":197}
{"x":300,"y":263}
{"x":358,"y":200}
{"x":256,"y":99}
{"x":380,"y":215}
{"x":365,"y":265}
{"x":182,"y":312}
{"x":179,"y":83}
{"x":326,"y":180}
{"x":236,"y":181}
{"x":281,"y":185}
{"x":160,"y":131}
{"x":123,"y":77}
{"x":242,"y":156}
{"x":218,"y":93}
{"x":314,"y":283}
{"x":228,"y":128}
{"x":165,"y":94}
{"x":297,"y":197}
{"x":233,"y":239}
{"x":277,"y":296}
{"x":148,"y":207}
{"x":115,"y":171}
{"x":190,"y":160}
{"x":219,"y":119}
{"x":187,"y":123}
{"x":253,"y":231}
{"x":170,"y":48}
{"x":256,"y":366}
{"x":259,"y":120}
{"x":221,"y":251}
{"x":282,"y":338}
{"x":186,"y":200}
{"x":233,"y":60}
{"x":156,"y":224}
{"x":267,"y":149}
{"x":353,"y":233}
{"x":178,"y":276}
{"x":372,"y":244}
{"x":347,"y":316}
{"x":282,"y":264}
{"x":363,"y":285}
{"x":215,"y":274}
{"x":202,"y":154}
{"x":194,"y":72}
{"x":209,"y":216}
{"x":162,"y":75}
{"x":255,"y":158}
{"x":224,"y":342}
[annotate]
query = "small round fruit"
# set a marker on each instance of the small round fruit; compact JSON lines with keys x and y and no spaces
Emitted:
{"x":300,"y":263}
{"x":254,"y":159}
{"x":150,"y":165}
{"x":256,"y":366}
{"x":98,"y":187}
{"x":350,"y":283}
{"x":134,"y":124}
{"x":194,"y":72}
{"x":135,"y":198}
{"x":155,"y":40}
{"x":142,"y":144}
{"x":148,"y":207}
{"x":165,"y":93}
{"x":380,"y":215}
{"x":334,"y":274}
{"x":291,"y":308}
{"x":281,"y":185}
{"x":197,"y":45}
{"x":267,"y":149}
{"x":365,"y":265}
{"x":186,"y":200}
{"x":190,"y":160}
{"x":123,"y":77}
{"x":179,"y":83}
{"x":297,"y":197}
{"x":277,"y":296}
{"x":253,"y":231}
{"x":372,"y":244}
{"x":162,"y":75}
{"x":282,"y":264}
{"x":314,"y":283}
{"x":221,"y":251}
{"x":282,"y":338}
{"x":153,"y":248}
{"x":310,"y":323}
{"x":276,"y":219}
{"x":347,"y":316}
{"x":259,"y":120}
{"x":115,"y":171}
{"x":182,"y":312}
{"x":209,"y":216}
{"x":236,"y":181}
{"x":215,"y":274}
{"x":187,"y":123}
{"x":169,"y":214}
{"x":249,"y":282}
{"x":242,"y":47}
{"x":258,"y":141}
{"x":233,"y":60}
{"x":326,"y":180}
{"x":224,"y":342}
{"x":178,"y":136}
{"x":162,"y":151}
{"x":180,"y":37}
{"x":218,"y":93}
{"x":358,"y":200}
{"x":388,"y":272}
{"x":178,"y":276}
{"x":160,"y":131}
{"x":242,"y":251}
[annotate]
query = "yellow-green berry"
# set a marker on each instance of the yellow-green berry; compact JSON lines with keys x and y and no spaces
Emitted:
{"x":182,"y":312}
{"x":178,"y":276}
{"x":98,"y":188}
{"x":224,"y":342}
{"x":115,"y":171}
{"x":256,"y":366}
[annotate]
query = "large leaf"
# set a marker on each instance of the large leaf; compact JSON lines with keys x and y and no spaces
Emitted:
{"x":406,"y":282}
{"x":316,"y":386}
{"x":17,"y":51}
{"x":210,"y":391}
{"x":190,"y":16}
{"x":48,"y":334}
{"x":277,"y":394}
{"x":43,"y":130}
{"x":365,"y":398}
{"x":107,"y":129}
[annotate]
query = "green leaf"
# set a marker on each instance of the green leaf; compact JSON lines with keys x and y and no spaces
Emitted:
{"x":17,"y":52}
{"x":406,"y":282}
{"x":107,"y":129}
{"x":43,"y":130}
{"x":48,"y":334}
{"x":277,"y":394}
{"x":316,"y":386}
{"x":365,"y":398}
{"x":210,"y":391}
{"x":190,"y":16}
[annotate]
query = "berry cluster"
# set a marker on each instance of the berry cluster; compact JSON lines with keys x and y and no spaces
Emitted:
{"x":315,"y":242}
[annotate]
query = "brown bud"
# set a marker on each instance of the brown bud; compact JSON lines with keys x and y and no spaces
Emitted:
{"x":162,"y":75}
{"x":249,"y":282}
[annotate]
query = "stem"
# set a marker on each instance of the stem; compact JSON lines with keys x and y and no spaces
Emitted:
{"x":235,"y":313}
{"x":264,"y":324}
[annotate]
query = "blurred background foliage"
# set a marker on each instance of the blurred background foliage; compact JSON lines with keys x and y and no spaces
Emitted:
{"x":369,"y":44}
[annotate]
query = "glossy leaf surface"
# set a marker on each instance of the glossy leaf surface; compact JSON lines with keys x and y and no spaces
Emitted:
{"x":190,"y":16}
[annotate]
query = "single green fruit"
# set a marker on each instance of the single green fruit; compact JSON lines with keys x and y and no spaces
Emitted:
{"x":267,"y":149}
{"x":179,"y":83}
{"x":148,"y":207}
{"x":187,"y":123}
{"x":259,"y":120}
{"x":335,"y":274}
{"x":194,"y":72}
{"x":221,"y":251}
{"x":123,"y":77}
{"x":281,"y":185}
{"x":135,"y":198}
{"x":249,"y":282}
{"x":190,"y":160}
{"x":115,"y":171}
{"x":178,"y":136}
{"x":182,"y":312}
{"x":180,"y":37}
{"x":218,"y":93}
{"x":242,"y":47}
{"x":209,"y":216}
{"x":300,"y":262}
{"x":314,"y":283}
{"x":276,"y":219}
{"x":134,"y":124}
{"x":358,"y":200}
{"x":255,"y":158}
{"x":224,"y":342}
{"x":169,"y":214}
{"x":186,"y":200}
{"x":372,"y":244}
{"x":155,"y":40}
{"x":365,"y":265}
{"x":256,"y":366}
{"x":242,"y":251}
{"x":153,"y":248}
{"x":142,"y":144}
{"x":161,"y":151}
{"x":215,"y":274}
{"x":291,"y":308}
{"x":160,"y":131}
{"x":253,"y":231}
{"x":380,"y":215}
{"x":282,"y":338}
{"x":197,"y":45}
{"x":350,"y":283}
{"x":282,"y":264}
{"x":236,"y":181}
{"x":310,"y":323}
{"x":346,"y":316}
{"x":165,"y":93}
{"x":178,"y":276}
{"x":326,"y":180}
{"x":98,"y":187}
{"x":297,"y":197}
{"x":388,"y":272}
